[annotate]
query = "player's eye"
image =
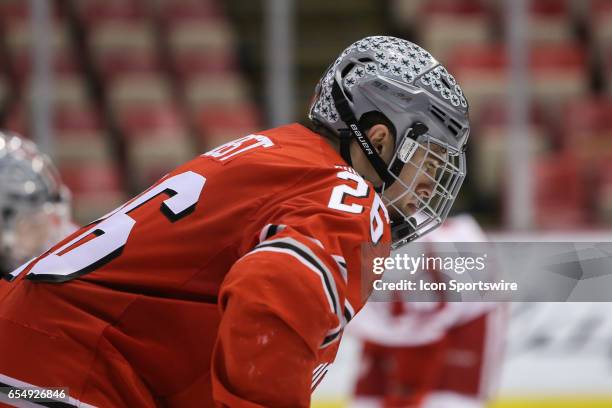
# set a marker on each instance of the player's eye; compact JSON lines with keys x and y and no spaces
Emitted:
{"x":432,"y":165}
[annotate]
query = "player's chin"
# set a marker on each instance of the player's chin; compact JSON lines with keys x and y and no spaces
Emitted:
{"x":399,"y":216}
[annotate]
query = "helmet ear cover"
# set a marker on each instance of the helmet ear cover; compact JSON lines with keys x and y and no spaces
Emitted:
{"x":413,"y":133}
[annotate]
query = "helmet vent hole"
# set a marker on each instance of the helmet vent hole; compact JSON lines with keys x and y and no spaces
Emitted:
{"x":457,"y":124}
{"x":438,"y":113}
{"x":347,"y":69}
{"x":450,"y":123}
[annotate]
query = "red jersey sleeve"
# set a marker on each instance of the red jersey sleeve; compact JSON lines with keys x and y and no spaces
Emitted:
{"x":287,"y":300}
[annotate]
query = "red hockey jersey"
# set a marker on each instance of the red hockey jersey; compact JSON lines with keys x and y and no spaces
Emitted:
{"x":227,"y":283}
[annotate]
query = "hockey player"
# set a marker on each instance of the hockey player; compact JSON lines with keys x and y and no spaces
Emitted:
{"x":229,"y":282}
{"x":34,"y":204}
{"x":430,"y":354}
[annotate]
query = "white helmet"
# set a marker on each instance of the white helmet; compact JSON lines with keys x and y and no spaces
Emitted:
{"x":424,"y":104}
{"x":34,"y":204}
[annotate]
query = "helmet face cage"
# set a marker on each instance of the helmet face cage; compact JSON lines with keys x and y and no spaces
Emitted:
{"x":34,"y":205}
{"x":407,"y":85}
{"x":443,"y":181}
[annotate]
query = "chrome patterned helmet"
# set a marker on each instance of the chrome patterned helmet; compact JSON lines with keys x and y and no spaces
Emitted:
{"x":426,"y":107}
{"x":34,"y":204}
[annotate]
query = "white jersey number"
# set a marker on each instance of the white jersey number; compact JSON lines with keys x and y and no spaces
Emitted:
{"x":112,"y":234}
{"x":340,"y":192}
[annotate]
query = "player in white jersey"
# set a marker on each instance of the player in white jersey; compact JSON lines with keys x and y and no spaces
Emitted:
{"x":429,"y":354}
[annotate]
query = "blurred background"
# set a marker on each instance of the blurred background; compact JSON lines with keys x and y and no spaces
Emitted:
{"x":118,"y":92}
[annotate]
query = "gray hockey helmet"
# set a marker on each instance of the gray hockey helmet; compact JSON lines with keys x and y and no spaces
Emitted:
{"x":426,"y":107}
{"x":34,"y":203}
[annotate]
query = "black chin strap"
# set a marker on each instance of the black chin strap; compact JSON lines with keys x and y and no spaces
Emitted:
{"x":354,"y":132}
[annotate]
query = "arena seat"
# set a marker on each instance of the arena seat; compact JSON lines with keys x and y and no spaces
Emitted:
{"x":174,"y":11}
{"x":80,"y":136}
{"x":157,"y":140}
{"x":113,"y":64}
{"x":18,"y":38}
{"x":130,"y":90}
{"x":209,"y":90}
{"x":600,"y":19}
{"x":491,"y":134}
{"x":68,"y":89}
{"x":95,"y":11}
{"x":448,"y":24}
{"x":481,"y":71}
{"x":560,"y":194}
{"x":199,"y":47}
{"x":217,"y":125}
{"x":111,"y":38}
{"x":19,"y":11}
{"x":587,"y":127}
{"x":550,"y":22}
{"x":63,"y":64}
{"x":96,"y":189}
{"x":405,"y":13}
{"x":559,"y":73}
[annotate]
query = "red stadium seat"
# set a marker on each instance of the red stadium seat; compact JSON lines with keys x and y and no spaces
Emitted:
{"x":95,"y":11}
{"x":96,"y":189}
{"x":587,"y":127}
{"x":68,"y":90}
{"x":489,"y":155}
{"x":80,"y":136}
{"x":63,"y":63}
{"x":16,"y":118}
{"x":481,"y":71}
{"x":550,"y":22}
{"x":198,"y":47}
{"x":91,"y":178}
{"x":600,"y":19}
{"x":19,"y":37}
{"x":218,"y":125}
{"x":173,"y":11}
{"x":188,"y":64}
{"x":215,"y":90}
{"x":121,"y":37}
{"x":560,"y":193}
{"x":447,"y":24}
{"x":77,"y":118}
{"x":405,"y":13}
{"x":112,"y":64}
{"x":157,"y":140}
{"x":19,"y":10}
{"x":557,"y":72}
{"x":131,"y":90}
{"x":147,"y":120}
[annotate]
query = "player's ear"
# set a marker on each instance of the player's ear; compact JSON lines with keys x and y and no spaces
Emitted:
{"x":382,"y":140}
